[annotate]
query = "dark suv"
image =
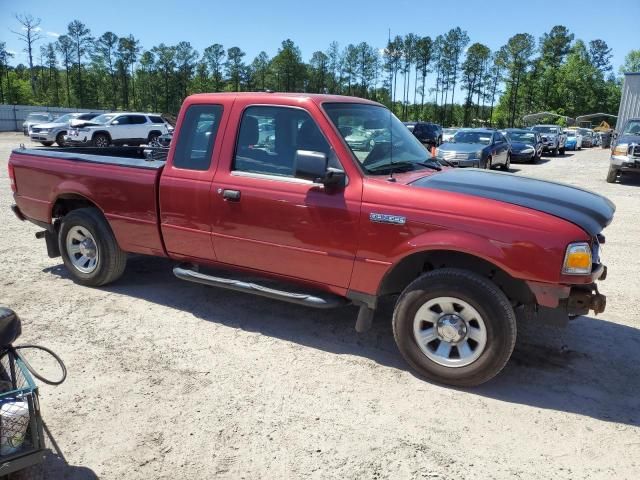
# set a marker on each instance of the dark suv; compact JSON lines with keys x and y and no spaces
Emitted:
{"x":429,"y":134}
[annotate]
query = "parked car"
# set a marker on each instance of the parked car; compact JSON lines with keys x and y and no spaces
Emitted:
{"x":553,"y":139}
{"x":359,"y":139}
{"x":574,"y":140}
{"x":34,"y":118}
{"x":448,"y":133}
{"x":477,"y":147}
{"x":587,"y":137}
{"x":158,"y":149}
{"x":127,"y":128}
{"x":526,"y":145}
{"x":625,"y":154}
{"x":48,"y":133}
{"x":466,"y":251}
{"x":429,"y":134}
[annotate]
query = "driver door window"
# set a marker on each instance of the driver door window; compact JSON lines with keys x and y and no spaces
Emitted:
{"x":269,"y":138}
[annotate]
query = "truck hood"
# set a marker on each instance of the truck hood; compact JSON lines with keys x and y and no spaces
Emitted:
{"x":84,"y":123}
{"x":50,"y":125}
{"x":588,"y":210}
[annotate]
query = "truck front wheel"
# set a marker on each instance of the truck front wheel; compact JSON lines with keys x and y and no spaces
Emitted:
{"x":612,"y":174}
{"x":89,"y":249}
{"x":455,"y":327}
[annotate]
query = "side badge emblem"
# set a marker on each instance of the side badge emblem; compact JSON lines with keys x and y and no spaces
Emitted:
{"x":383,"y":218}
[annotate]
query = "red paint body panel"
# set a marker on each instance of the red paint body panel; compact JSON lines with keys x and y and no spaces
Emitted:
{"x":296,"y":230}
{"x":126,"y":196}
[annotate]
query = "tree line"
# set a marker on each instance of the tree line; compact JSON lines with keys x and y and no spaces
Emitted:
{"x":446,"y":79}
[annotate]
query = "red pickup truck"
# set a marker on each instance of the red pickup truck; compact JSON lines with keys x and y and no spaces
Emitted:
{"x":268,"y":185}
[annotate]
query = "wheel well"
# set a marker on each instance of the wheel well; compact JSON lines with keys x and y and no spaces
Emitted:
{"x":104,"y":132}
{"x":414,"y":265}
{"x":69,"y":202}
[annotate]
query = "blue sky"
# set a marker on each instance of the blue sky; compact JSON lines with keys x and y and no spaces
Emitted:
{"x":313,"y":24}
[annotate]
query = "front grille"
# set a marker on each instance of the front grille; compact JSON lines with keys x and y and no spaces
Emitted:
{"x":455,"y":156}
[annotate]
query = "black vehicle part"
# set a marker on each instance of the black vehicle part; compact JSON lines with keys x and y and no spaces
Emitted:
{"x":280,"y":291}
{"x":51,"y":240}
{"x":10,"y":327}
{"x":588,"y":210}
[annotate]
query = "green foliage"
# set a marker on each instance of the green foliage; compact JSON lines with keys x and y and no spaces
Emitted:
{"x":557,"y":73}
{"x":631,"y":62}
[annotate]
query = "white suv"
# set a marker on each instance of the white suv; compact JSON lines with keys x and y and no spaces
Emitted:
{"x":125,"y":128}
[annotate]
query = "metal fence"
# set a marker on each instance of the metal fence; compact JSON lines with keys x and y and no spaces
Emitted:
{"x":12,"y":116}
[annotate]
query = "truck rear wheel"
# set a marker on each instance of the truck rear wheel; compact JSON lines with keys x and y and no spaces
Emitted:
{"x":612,"y":174}
{"x":89,"y":248}
{"x":455,"y":327}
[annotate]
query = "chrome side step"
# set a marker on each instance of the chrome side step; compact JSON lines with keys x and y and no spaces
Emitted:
{"x":315,"y":300}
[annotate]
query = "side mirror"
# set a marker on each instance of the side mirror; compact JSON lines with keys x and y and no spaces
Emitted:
{"x":115,"y":122}
{"x":313,"y":166}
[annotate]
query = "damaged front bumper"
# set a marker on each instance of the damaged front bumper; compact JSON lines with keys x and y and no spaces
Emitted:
{"x":557,"y":304}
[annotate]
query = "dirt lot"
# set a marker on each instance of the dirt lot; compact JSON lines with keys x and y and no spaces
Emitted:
{"x":173,"y":380}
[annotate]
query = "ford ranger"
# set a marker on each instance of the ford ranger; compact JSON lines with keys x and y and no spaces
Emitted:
{"x":467,"y":253}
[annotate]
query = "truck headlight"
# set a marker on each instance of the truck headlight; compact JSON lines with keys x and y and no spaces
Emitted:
{"x":621,"y":149}
{"x":478,"y":154}
{"x":577,"y":259}
{"x":527,"y":150}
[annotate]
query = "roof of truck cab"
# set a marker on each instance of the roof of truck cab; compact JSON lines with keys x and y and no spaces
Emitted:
{"x":258,"y":96}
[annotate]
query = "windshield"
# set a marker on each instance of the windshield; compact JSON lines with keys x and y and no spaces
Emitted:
{"x":38,"y":116}
{"x":483,"y":138}
{"x":584,"y":132}
{"x":104,"y":118}
{"x":545,"y":129}
{"x":64,"y":118}
{"x":632,"y":127}
{"x":390,"y":146}
{"x":524,"y":137}
{"x":570,"y":133}
{"x":450,"y":131}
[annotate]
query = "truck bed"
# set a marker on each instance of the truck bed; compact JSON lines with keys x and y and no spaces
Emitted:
{"x":119,"y":181}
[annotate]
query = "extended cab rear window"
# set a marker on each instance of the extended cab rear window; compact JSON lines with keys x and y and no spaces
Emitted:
{"x":197,"y":137}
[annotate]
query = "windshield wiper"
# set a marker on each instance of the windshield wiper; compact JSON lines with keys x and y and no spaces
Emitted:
{"x":405,"y":166}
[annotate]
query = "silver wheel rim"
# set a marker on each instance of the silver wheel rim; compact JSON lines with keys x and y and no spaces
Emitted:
{"x":450,"y":332}
{"x":82,"y":249}
{"x":101,"y":141}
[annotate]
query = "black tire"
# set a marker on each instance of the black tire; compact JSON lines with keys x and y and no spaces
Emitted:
{"x":555,"y":152}
{"x":153,"y":136}
{"x":60,"y":139}
{"x":101,"y":140}
{"x":47,"y":144}
{"x":507,"y":164}
{"x":111,"y":259}
{"x":485,"y":297}
{"x":487,"y":163}
{"x":536,"y":158}
{"x":612,"y":174}
{"x":562,"y":151}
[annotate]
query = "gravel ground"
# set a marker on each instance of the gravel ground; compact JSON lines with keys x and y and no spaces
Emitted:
{"x":174,"y":380}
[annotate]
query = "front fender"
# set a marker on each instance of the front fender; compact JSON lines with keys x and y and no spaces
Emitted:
{"x":476,"y":245}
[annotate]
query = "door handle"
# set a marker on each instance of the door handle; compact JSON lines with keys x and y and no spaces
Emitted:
{"x":231,"y":195}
